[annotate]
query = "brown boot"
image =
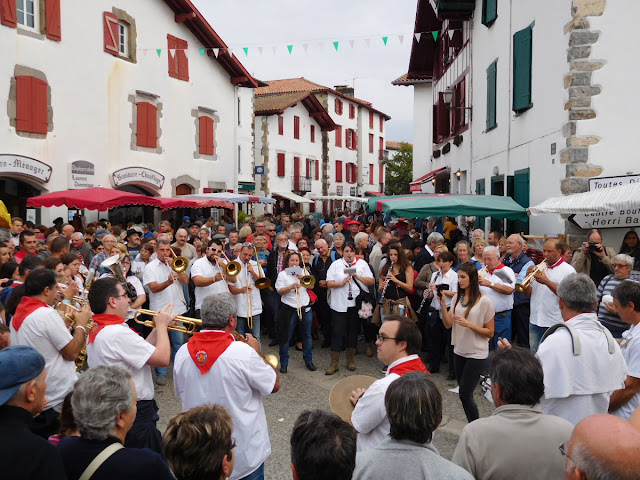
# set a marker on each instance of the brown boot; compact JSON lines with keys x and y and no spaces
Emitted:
{"x":333,"y":367}
{"x":371,"y":350}
{"x":351,"y":364}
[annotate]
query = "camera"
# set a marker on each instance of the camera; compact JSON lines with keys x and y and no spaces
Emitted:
{"x":441,"y":287}
{"x":594,"y":248}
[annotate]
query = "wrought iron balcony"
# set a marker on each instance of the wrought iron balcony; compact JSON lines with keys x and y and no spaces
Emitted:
{"x":300,"y":184}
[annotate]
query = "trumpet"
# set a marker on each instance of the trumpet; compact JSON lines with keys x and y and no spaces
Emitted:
{"x":232,"y":268}
{"x":386,"y":284}
{"x":61,"y":308}
{"x":483,"y":272}
{"x":263,"y":282}
{"x":189,"y":324}
{"x":541,"y":267}
{"x":269,"y":358}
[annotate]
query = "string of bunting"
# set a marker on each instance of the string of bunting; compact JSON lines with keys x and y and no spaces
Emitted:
{"x":320,"y":45}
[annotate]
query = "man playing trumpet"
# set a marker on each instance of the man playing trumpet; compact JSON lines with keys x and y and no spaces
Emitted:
{"x":245,"y":293}
{"x":208,"y":275}
{"x":112,"y":342}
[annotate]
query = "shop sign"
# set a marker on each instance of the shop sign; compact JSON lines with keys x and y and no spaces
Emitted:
{"x":82,"y":174}
{"x":138,"y":175}
{"x":25,"y":166}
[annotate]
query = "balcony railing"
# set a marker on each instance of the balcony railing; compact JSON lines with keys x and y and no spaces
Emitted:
{"x":383,"y":156}
{"x":300,"y":184}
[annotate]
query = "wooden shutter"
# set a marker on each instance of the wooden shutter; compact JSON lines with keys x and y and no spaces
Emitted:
{"x":336,"y":108}
{"x":206,"y":126}
{"x":296,"y":127}
{"x":52,"y":11}
{"x":381,"y":123}
{"x":317,"y":169}
{"x":312,"y":130}
{"x":352,"y":110}
{"x":280,"y":125}
{"x":444,"y":128}
{"x":380,"y":148}
{"x":381,"y":177}
{"x":296,"y":173}
{"x":281,"y":164}
{"x":182,"y":60}
{"x":110,"y":33}
{"x":338,"y":136}
{"x":354,"y":173}
{"x":522,"y":45}
{"x":147,"y":125}
{"x":354,"y":139}
{"x":347,"y":138}
{"x":459,"y":102}
{"x":31,"y":105}
{"x":8,"y":13}
{"x":338,"y":170}
{"x":491,"y":95}
{"x":371,"y":167}
{"x":172,"y":44}
{"x":436,"y":134}
{"x":371,"y":143}
{"x":308,"y":169}
{"x":489,"y":12}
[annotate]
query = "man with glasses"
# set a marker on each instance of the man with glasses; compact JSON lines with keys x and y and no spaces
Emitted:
{"x":399,"y":342}
{"x":246,"y":295}
{"x":261,"y":229}
{"x":112,"y":342}
{"x":270,"y":230}
{"x":208,"y":275}
{"x":622,"y":266}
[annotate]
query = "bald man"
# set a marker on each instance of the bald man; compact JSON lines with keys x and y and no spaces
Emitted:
{"x":603,"y":446}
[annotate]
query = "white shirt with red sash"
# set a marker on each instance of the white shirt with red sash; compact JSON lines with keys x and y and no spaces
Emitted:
{"x":340,"y":295}
{"x":112,"y":342}
{"x":212,"y":368}
{"x":545,"y":311}
{"x":501,"y":302}
{"x":369,"y":417}
{"x":38,"y":325}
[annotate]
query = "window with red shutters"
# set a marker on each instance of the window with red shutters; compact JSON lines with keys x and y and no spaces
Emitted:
{"x":338,"y":136}
{"x":317,"y":169}
{"x":281,"y":165}
{"x":370,"y":119}
{"x":53,"y":27}
{"x":8,"y":13}
{"x":296,"y":127}
{"x":296,"y":173}
{"x":371,"y":142}
{"x":147,"y":125}
{"x":371,"y":168}
{"x":206,"y":127}
{"x":380,"y":148}
{"x":338,"y":170}
{"x":312,"y":130}
{"x":280,"y":125}
{"x":31,"y":105}
{"x":339,"y":105}
{"x":381,"y":123}
{"x":444,"y":128}
{"x":110,"y":33}
{"x":308,"y":169}
{"x":354,"y":139}
{"x":381,"y":178}
{"x":354,"y":173}
{"x":352,"y":110}
{"x":178,"y":61}
{"x":347,"y":138}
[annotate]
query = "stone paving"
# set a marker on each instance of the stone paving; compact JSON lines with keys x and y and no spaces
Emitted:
{"x":303,"y":390}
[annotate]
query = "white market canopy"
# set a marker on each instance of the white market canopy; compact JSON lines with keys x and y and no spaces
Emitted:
{"x":292,"y":196}
{"x":601,"y":200}
{"x":340,"y":198}
{"x":231,"y":197}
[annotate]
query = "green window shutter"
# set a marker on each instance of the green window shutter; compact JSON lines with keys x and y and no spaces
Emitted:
{"x":480,"y":191}
{"x":491,"y":95}
{"x":522,"y":54}
{"x":489,"y":12}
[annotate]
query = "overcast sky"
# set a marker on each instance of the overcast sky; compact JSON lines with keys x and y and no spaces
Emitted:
{"x":269,"y":23}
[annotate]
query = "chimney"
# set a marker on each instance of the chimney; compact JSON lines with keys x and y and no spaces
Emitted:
{"x":345,"y":90}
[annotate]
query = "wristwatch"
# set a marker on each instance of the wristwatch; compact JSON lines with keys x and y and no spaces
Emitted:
{"x":492,"y":284}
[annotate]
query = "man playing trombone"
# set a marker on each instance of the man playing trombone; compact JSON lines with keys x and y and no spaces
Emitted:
{"x":245,"y":293}
{"x":165,"y":288}
{"x":208,"y":275}
{"x":112,"y":342}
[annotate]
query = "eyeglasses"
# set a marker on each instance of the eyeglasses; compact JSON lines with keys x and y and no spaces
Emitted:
{"x":382,"y":338}
{"x":247,"y":244}
{"x":564,"y":448}
{"x":621,"y":265}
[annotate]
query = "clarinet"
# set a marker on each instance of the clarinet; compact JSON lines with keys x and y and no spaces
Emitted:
{"x":425,"y":296}
{"x":386,"y":283}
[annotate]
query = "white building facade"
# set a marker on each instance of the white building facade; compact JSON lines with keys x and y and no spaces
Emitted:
{"x":133,"y":97}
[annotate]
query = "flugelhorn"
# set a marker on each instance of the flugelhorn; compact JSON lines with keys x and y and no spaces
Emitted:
{"x":232,"y":268}
{"x":269,"y":358}
{"x":189,"y":324}
{"x":541,"y":267}
{"x":263,"y":282}
{"x":113,"y":264}
{"x":308,"y":280}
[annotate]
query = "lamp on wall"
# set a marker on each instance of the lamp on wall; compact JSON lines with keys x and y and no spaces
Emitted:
{"x":433,"y":181}
{"x":447,"y":96}
{"x":458,"y":174}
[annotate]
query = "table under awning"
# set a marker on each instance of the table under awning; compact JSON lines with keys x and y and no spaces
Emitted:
{"x":292,"y":196}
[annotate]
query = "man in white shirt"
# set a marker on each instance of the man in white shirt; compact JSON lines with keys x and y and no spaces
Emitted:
{"x":37,"y":325}
{"x":213,"y":368}
{"x":165,"y":288}
{"x":295,"y":235}
{"x":582,"y":363}
{"x":498,"y":285}
{"x":626,"y":299}
{"x":208,"y":275}
{"x":112,"y":342}
{"x":545,"y":311}
{"x":245,"y":293}
{"x":399,"y":342}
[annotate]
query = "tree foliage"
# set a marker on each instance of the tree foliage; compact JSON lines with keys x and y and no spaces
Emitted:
{"x":399,"y":171}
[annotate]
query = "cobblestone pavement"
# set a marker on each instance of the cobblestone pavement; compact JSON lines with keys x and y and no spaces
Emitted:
{"x":303,"y":390}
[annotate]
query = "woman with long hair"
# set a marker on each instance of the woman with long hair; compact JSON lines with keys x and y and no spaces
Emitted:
{"x":631,"y":246}
{"x":5,"y":254}
{"x":472,"y":323}
{"x":136,"y":285}
{"x":71,"y":262}
{"x":399,"y":280}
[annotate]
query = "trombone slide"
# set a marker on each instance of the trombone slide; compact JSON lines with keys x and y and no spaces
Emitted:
{"x":189,"y":324}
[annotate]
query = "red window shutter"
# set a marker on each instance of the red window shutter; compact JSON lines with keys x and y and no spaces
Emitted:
{"x":147,"y":120}
{"x":338,"y":170}
{"x":380,"y":148}
{"x":317,"y":169}
{"x":152,"y":124}
{"x":110,"y":34}
{"x":336,"y":106}
{"x":371,"y":143}
{"x":436,"y":137}
{"x":31,"y":105}
{"x":354,"y":173}
{"x":172,"y":44}
{"x":381,"y":123}
{"x":347,"y":138}
{"x":182,"y":60}
{"x":354,"y":140}
{"x":312,"y":207}
{"x":206,"y":135}
{"x":296,"y":173}
{"x":40,"y":111}
{"x":381,"y":177}
{"x":338,"y":136}
{"x":8,"y":13}
{"x":308,"y":167}
{"x":296,"y":127}
{"x":370,"y":119}
{"x":312,"y":129}
{"x":52,"y":10}
{"x":352,"y":111}
{"x":371,"y":174}
{"x":444,"y":128}
{"x":281,"y":164}
{"x":280,"y":125}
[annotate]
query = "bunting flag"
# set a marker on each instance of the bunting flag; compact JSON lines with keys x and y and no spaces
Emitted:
{"x":400,"y":39}
{"x":451,"y":32}
{"x":351,"y":43}
{"x":159,"y":50}
{"x":335,"y":45}
{"x":260,"y":51}
{"x":435,"y":35}
{"x":290,"y":48}
{"x":202,"y":51}
{"x":418,"y":35}
{"x":246,"y":51}
{"x":384,"y":39}
{"x":215,"y":52}
{"x":275,"y":49}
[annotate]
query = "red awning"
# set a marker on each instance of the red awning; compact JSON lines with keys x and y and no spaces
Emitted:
{"x":179,"y":202}
{"x":374,"y":194}
{"x":427,"y":177}
{"x":95,"y":198}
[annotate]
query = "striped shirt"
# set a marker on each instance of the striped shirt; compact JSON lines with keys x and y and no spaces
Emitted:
{"x":609,"y":320}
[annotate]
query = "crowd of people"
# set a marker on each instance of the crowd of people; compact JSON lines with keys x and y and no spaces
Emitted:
{"x":90,"y":313}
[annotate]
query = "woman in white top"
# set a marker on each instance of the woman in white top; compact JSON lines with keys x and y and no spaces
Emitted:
{"x":439,"y":335}
{"x":141,"y":260}
{"x":472,"y":324}
{"x":344,"y":289}
{"x":294,"y":307}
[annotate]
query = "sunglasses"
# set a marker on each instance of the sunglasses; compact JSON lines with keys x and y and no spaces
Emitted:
{"x":215,"y":250}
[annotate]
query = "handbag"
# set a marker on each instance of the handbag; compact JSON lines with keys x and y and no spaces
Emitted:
{"x":365,"y":301}
{"x":392,"y":307}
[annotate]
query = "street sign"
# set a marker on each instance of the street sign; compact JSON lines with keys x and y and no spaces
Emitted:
{"x":259,"y":170}
{"x":625,"y":218}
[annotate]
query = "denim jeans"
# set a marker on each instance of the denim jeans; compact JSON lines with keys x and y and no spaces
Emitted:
{"x":177,"y":339}
{"x":258,"y":474}
{"x":535,"y":335}
{"x":287,"y":329}
{"x":502,"y":328}
{"x":243,"y":328}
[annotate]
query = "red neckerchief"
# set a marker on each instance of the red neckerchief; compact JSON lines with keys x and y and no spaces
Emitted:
{"x":557,"y":263}
{"x":100,"y":321}
{"x":349,"y":265}
{"x":27,"y":306}
{"x":497,"y":268}
{"x":414,"y":365}
{"x":206,"y":347}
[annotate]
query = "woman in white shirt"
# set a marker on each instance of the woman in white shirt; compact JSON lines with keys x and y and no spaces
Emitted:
{"x":472,"y":324}
{"x":344,"y":288}
{"x":294,"y":307}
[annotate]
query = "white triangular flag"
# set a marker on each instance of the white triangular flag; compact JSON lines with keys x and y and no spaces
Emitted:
{"x":367,"y":41}
{"x":400,"y":38}
{"x":321,"y":47}
{"x":418,"y":35}
{"x":172,"y":52}
{"x":451,"y":32}
{"x":259,"y":50}
{"x":305,"y":46}
{"x":145,"y":51}
{"x":275,"y":49}
{"x":352,"y":43}
{"x":186,"y":53}
{"x":215,"y":52}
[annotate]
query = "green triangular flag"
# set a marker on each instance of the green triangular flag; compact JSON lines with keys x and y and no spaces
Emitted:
{"x":384,"y":39}
{"x":246,"y":51}
{"x":202,"y":51}
{"x":290,"y":48}
{"x":435,"y":35}
{"x":159,"y":50}
{"x":335,"y":44}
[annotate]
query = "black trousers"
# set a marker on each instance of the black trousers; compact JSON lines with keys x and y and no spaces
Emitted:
{"x":520,"y":324}
{"x":468,"y":372}
{"x":144,"y":433}
{"x":345,"y":324}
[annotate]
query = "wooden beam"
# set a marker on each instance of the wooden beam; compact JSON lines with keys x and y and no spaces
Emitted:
{"x":183,"y":17}
{"x":316,"y":114}
{"x":236,"y":80}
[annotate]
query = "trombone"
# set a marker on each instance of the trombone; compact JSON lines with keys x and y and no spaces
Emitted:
{"x":179,"y":265}
{"x":541,"y":267}
{"x":249,"y":295}
{"x":232,"y":268}
{"x":269,"y":358}
{"x":189,"y":324}
{"x":263,"y":282}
